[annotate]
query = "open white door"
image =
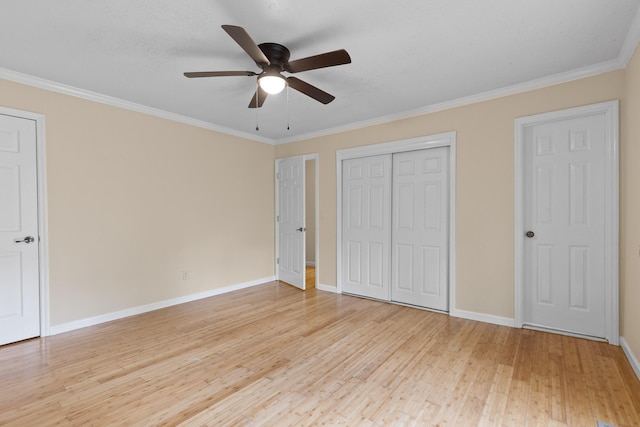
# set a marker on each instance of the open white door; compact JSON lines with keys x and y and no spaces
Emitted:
{"x":290,"y":219}
{"x":19,"y":268}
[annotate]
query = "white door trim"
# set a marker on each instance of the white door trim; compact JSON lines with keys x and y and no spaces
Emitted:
{"x":610,"y":110}
{"x":43,"y":259}
{"x":447,"y":139}
{"x":305,"y":157}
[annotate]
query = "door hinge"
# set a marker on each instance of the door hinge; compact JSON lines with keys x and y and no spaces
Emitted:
{"x":277,"y":175}
{"x":277,"y":218}
{"x":277,"y":260}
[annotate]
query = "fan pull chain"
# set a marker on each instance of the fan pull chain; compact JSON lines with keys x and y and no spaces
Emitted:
{"x":288,"y":119}
{"x":257,"y":115}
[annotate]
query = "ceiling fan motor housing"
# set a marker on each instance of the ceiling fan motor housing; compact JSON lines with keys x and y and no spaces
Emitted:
{"x":277,"y":54}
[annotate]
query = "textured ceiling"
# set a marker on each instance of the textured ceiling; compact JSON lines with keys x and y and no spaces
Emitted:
{"x":407,"y":55}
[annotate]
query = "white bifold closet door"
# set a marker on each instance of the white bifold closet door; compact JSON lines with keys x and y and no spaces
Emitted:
{"x":396,"y":227}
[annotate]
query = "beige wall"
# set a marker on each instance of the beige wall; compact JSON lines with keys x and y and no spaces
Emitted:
{"x":485,"y":182}
{"x":135,"y":200}
{"x":630,"y":208}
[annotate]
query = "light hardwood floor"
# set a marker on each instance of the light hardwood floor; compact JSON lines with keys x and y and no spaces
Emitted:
{"x":274,"y":355}
{"x":310,"y":278}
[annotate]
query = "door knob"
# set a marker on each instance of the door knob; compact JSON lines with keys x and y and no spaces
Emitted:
{"x":27,"y":239}
{"x":530,"y":234}
{"x":301,"y":229}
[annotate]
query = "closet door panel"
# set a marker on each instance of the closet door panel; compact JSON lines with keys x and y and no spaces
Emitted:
{"x":420,"y":231}
{"x":366,"y":226}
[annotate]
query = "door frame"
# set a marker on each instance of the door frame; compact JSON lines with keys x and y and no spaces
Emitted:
{"x":316,"y":213}
{"x":611,"y":111}
{"x":446,"y":139}
{"x":305,"y":157}
{"x":43,"y":255}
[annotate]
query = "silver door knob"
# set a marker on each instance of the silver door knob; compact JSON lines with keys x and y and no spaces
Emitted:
{"x":27,"y":239}
{"x":530,"y":234}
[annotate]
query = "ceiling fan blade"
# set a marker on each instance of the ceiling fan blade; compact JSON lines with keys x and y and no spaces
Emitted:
{"x":218,"y":73}
{"x":261,"y":95}
{"x":246,"y":42}
{"x":310,"y":90}
{"x":329,"y":59}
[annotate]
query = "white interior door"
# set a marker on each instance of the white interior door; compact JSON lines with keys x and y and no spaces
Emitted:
{"x":291,"y":221}
{"x":366,"y":226}
{"x":19,"y":283}
{"x":564,"y":216}
{"x":420,"y":232}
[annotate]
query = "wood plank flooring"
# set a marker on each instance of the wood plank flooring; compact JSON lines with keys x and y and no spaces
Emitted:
{"x":274,"y":355}
{"x":310,"y":277}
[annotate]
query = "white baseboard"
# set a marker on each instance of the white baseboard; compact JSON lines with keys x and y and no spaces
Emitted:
{"x":311,"y":263}
{"x":108,"y":317}
{"x":327,"y":288}
{"x":482,"y":317}
{"x":633,"y":360}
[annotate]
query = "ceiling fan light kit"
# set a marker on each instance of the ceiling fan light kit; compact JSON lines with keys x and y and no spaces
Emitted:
{"x":273,"y":59}
{"x":272,"y":83}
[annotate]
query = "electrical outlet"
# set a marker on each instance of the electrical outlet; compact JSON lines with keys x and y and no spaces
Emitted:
{"x":185,"y":275}
{"x":603,"y":424}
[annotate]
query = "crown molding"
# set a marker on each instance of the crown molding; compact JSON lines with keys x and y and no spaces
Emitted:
{"x":121,"y":103}
{"x":631,"y":42}
{"x":568,"y":76}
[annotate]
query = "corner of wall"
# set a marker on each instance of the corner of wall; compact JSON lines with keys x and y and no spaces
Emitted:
{"x":633,"y":360}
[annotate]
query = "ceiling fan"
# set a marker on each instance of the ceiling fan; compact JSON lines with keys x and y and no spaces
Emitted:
{"x":273,"y":59}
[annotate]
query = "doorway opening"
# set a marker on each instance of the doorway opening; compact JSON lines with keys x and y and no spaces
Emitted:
{"x":297,"y":229}
{"x":310,"y":222}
